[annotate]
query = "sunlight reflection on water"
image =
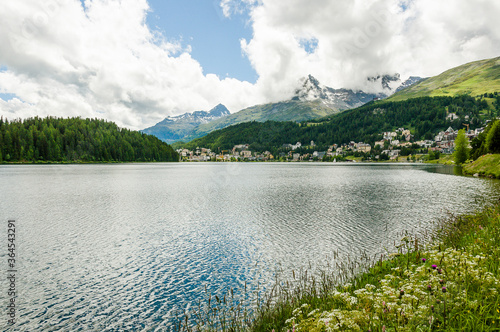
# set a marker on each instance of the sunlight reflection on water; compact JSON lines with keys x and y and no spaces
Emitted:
{"x":117,"y":247}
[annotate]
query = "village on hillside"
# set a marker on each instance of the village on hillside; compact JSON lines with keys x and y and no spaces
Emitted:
{"x":393,"y":146}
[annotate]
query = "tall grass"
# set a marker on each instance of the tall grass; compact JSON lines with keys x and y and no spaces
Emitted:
{"x":444,"y":280}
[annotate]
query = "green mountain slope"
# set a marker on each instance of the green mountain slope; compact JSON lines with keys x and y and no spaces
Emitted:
{"x":177,"y":128}
{"x":283,"y":111}
{"x":311,"y":100}
{"x":424,"y":116}
{"x":473,"y":79}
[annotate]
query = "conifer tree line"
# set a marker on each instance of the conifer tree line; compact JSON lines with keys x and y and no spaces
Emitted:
{"x":75,"y":139}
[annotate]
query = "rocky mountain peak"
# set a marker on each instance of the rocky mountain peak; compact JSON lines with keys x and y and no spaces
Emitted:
{"x":388,"y":83}
{"x":202,"y":116}
{"x":310,"y":90}
{"x":219,"y":111}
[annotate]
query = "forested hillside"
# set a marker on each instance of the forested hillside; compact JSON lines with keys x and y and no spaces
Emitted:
{"x":76,"y":139}
{"x":423,"y":116}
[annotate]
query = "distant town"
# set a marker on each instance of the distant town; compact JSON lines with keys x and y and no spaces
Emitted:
{"x":398,"y":145}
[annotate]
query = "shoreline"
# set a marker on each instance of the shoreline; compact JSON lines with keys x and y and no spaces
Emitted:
{"x":441,"y":281}
{"x":437,"y":286}
{"x":84,"y":162}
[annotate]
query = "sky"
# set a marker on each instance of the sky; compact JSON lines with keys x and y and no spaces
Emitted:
{"x":136,"y":62}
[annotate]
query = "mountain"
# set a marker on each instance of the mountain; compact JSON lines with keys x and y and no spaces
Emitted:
{"x":471,"y":91}
{"x":311,"y":100}
{"x":425,"y":117}
{"x":176,"y":128}
{"x":292,"y":110}
{"x":409,"y":82}
{"x":474,"y":78}
{"x":388,"y":82}
{"x":336,"y":99}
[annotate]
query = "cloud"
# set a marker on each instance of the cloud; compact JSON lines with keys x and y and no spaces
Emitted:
{"x":230,"y":7}
{"x":354,"y":40}
{"x":101,"y":60}
{"x":62,"y":59}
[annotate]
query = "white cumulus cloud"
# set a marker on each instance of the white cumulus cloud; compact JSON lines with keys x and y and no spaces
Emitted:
{"x":364,"y":38}
{"x":101,"y":60}
{"x":62,"y":59}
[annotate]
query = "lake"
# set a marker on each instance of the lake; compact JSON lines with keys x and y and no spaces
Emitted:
{"x":123,"y":246}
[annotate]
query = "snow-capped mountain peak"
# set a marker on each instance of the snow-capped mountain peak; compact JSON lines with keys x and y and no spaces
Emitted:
{"x":217,"y":112}
{"x":310,"y":89}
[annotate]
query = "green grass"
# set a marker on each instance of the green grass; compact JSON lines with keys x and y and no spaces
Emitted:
{"x":475,"y":78}
{"x":402,"y":292}
{"x":487,"y":165}
{"x":444,"y":159}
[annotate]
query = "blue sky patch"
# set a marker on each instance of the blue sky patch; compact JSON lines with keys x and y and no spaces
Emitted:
{"x":309,"y":45}
{"x":214,"y":39}
{"x":7,"y":96}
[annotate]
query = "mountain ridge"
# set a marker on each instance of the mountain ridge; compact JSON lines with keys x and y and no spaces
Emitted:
{"x":172,"y":129}
{"x":473,"y":78}
{"x":423,"y":115}
{"x":311,"y":100}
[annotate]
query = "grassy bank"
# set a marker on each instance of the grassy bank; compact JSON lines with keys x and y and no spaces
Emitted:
{"x":450,"y":284}
{"x":444,"y":159}
{"x":487,"y":165}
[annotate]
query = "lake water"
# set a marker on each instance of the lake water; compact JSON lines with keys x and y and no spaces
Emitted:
{"x":123,"y":246}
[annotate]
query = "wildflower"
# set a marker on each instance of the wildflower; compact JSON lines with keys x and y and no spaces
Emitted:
{"x":423,"y":260}
{"x":441,"y":281}
{"x":434,"y":266}
{"x":432,"y":308}
{"x":438,"y":301}
{"x":480,"y":227}
{"x":383,"y":328}
{"x":443,"y":289}
{"x":429,"y":288}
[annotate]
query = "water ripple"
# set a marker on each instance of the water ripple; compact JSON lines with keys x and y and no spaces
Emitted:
{"x":124,"y":247}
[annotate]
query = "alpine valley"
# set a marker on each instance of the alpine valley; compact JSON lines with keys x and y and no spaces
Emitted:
{"x":468,"y":94}
{"x":310,"y":100}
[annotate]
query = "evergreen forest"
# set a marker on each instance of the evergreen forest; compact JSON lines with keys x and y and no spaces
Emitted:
{"x":77,"y":140}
